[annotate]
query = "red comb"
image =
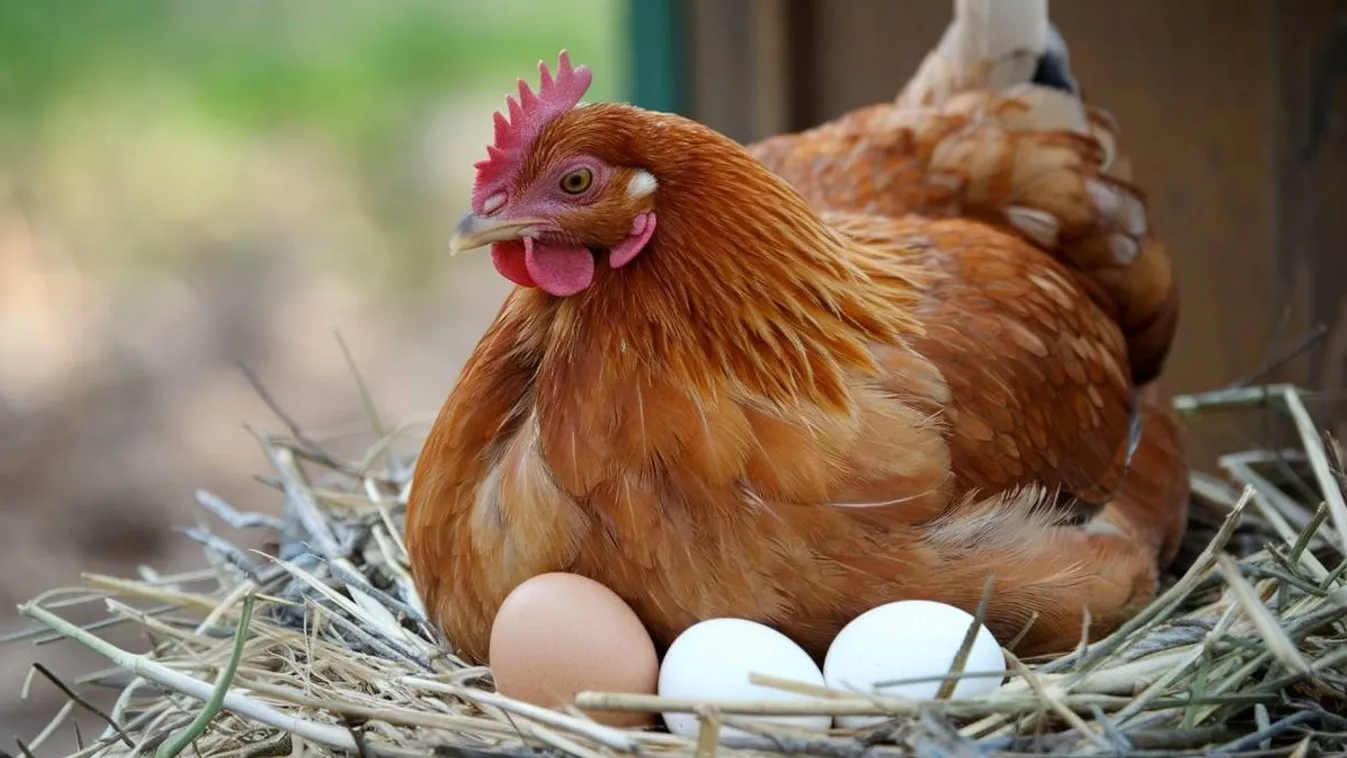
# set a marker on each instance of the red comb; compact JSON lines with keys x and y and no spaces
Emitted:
{"x":528,"y":115}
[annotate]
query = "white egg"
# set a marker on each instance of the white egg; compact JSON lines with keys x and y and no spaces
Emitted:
{"x":911,"y":639}
{"x":714,"y":658}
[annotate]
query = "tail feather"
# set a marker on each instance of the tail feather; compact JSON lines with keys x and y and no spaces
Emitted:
{"x":1054,"y":65}
{"x":1005,"y":67}
{"x":992,"y":45}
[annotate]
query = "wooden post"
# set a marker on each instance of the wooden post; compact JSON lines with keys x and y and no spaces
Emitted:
{"x":659,"y":54}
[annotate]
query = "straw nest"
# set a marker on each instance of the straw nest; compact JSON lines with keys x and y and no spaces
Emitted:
{"x":321,"y":644}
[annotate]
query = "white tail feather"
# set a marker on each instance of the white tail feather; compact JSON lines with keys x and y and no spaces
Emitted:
{"x":990,"y":44}
{"x":998,"y":28}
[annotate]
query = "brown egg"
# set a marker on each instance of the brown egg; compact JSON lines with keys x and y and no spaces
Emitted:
{"x":559,"y":634}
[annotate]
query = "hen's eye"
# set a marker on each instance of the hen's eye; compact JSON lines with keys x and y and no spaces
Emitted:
{"x":577,"y":181}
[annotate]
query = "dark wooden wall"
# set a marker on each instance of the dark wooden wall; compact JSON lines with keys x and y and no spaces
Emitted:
{"x":1311,"y":155}
{"x":1234,"y":112}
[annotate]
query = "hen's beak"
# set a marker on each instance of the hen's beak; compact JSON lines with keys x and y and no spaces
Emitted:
{"x":474,"y":231}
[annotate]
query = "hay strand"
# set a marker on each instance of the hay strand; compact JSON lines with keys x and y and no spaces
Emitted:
{"x":1243,"y":653}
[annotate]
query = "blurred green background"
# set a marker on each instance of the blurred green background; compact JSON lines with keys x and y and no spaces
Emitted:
{"x":189,"y":183}
{"x":130,"y":99}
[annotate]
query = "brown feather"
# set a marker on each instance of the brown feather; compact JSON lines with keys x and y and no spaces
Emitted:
{"x":1018,"y":159}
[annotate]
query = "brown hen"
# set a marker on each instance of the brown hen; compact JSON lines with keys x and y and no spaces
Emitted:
{"x":720,"y":401}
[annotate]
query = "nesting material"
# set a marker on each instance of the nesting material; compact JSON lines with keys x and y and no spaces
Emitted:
{"x":1245,"y":651}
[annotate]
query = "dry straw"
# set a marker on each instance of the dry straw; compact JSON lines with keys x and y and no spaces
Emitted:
{"x":322,"y":645}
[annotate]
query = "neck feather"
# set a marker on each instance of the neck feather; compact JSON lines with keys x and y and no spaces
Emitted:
{"x":743,"y":287}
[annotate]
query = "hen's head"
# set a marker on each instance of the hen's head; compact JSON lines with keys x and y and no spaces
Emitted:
{"x":557,"y":189}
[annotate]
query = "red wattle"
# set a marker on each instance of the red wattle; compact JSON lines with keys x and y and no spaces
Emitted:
{"x":561,"y":270}
{"x":508,"y":258}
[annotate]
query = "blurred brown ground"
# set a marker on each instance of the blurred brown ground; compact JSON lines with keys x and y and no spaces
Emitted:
{"x":116,"y":405}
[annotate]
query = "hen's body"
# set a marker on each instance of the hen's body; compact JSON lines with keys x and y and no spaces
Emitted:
{"x":792,"y":417}
{"x":776,"y":446}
